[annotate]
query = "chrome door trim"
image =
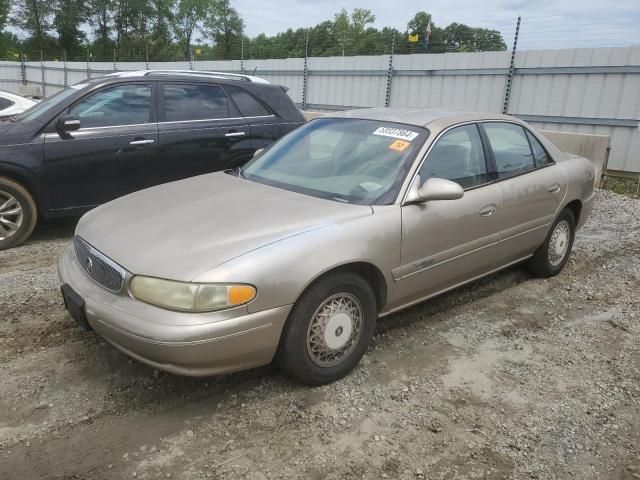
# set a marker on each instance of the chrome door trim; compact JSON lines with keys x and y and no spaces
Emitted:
{"x":431,"y":295}
{"x":215,"y":119}
{"x":427,"y":263}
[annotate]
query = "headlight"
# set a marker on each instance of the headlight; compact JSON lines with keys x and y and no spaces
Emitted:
{"x":190,"y":297}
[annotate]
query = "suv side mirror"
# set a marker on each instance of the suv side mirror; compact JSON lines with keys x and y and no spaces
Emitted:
{"x":66,"y":124}
{"x":434,"y":189}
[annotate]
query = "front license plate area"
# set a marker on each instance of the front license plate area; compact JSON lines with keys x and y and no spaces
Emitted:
{"x":75,"y":306}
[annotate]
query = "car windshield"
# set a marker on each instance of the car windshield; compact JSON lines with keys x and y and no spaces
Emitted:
{"x":343,"y":159}
{"x":35,"y":110}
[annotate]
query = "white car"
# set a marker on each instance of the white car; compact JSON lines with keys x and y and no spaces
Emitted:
{"x":12,"y":104}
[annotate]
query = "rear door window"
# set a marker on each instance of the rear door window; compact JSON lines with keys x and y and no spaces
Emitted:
{"x":510,"y":147}
{"x":248,"y":105}
{"x":183,"y":102}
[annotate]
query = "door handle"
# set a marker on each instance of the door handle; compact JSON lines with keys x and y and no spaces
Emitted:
{"x":234,"y":134}
{"x":147,"y":141}
{"x":555,"y":188}
{"x":488,"y":210}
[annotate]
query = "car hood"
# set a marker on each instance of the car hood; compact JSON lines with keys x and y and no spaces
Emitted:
{"x":182,"y":229}
{"x":12,"y":133}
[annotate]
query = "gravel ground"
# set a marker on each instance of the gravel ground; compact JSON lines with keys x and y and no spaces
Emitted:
{"x":509,"y":378}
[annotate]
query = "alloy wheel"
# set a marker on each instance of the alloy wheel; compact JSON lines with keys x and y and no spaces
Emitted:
{"x":11,"y":215}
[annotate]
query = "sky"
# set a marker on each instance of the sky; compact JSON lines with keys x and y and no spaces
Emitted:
{"x":545,"y":24}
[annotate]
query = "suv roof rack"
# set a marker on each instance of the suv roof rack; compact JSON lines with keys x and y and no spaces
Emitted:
{"x":199,"y":73}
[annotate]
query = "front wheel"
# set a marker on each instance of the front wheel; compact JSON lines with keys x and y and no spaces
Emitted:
{"x":18,"y":213}
{"x":328,"y":329}
{"x":551,"y":257}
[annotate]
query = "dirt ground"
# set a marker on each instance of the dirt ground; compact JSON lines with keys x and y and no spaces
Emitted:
{"x":508,"y":378}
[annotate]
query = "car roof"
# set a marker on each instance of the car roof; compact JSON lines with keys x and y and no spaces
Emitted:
{"x":420,"y":117}
{"x":203,"y":74}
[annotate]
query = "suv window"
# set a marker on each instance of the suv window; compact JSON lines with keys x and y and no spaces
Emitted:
{"x":249,"y":106}
{"x":121,"y":105}
{"x":539,"y":153}
{"x":458,"y":156}
{"x":5,"y":103}
{"x":510,"y":148}
{"x":194,"y":102}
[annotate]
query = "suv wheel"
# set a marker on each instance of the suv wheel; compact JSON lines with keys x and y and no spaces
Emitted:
{"x":328,"y":329}
{"x":18,"y":213}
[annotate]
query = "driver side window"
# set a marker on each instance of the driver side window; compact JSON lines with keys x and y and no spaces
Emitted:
{"x":457,"y":156}
{"x":121,"y":105}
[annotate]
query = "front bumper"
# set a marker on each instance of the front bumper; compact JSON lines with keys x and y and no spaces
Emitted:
{"x":181,"y":343}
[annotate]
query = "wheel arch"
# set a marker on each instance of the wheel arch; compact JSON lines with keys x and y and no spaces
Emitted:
{"x":575,"y":206}
{"x":24,"y":178}
{"x":368,"y":271}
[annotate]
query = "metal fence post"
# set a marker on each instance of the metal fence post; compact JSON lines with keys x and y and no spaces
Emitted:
{"x":190,"y":58}
{"x":115,"y":67}
{"x":242,"y":55}
{"x":64,"y":65}
{"x":23,"y":70}
{"x":88,"y":64}
{"x":42,"y":73}
{"x":507,"y":89}
{"x":305,"y":73}
{"x":146,"y":55}
{"x":387,"y":99}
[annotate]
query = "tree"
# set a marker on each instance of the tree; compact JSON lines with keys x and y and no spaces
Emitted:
{"x":35,"y":17}
{"x":5,"y":8}
{"x":360,"y":18}
{"x":225,"y":27}
{"x":100,"y":17}
{"x":419,"y":23}
{"x":187,"y":17}
{"x":67,"y":19}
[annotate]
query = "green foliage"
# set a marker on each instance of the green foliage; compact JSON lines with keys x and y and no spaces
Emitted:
{"x":209,"y":29}
{"x":225,"y":27}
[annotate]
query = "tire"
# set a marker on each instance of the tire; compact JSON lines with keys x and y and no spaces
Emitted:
{"x":551,"y":257}
{"x":320,"y":355}
{"x":17,"y":207}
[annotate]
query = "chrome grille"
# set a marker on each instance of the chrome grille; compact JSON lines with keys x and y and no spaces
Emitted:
{"x":101,"y":269}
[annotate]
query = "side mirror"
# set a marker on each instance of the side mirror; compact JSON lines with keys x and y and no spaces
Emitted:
{"x":434,"y":189}
{"x":257,"y":153}
{"x":67,"y":123}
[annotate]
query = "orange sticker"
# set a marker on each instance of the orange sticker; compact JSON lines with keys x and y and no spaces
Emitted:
{"x":399,"y":145}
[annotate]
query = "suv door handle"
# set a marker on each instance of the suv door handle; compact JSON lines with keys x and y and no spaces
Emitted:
{"x":143,"y":141}
{"x":488,"y":210}
{"x":555,"y":188}
{"x":234,"y":134}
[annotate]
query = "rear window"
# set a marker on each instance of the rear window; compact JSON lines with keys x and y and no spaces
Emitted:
{"x":249,"y":106}
{"x":5,"y":103}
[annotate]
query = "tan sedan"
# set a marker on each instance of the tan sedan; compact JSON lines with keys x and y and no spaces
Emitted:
{"x":293,"y":257}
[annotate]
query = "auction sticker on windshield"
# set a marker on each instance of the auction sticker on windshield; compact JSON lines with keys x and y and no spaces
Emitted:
{"x":400,"y":133}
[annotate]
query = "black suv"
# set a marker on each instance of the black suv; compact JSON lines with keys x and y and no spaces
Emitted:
{"x":113,"y":135}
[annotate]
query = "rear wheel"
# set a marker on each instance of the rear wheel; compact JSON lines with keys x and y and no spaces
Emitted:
{"x":18,"y":213}
{"x":551,"y":257}
{"x":328,"y":329}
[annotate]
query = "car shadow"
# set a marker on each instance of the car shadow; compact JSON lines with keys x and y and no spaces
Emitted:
{"x":54,"y":229}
